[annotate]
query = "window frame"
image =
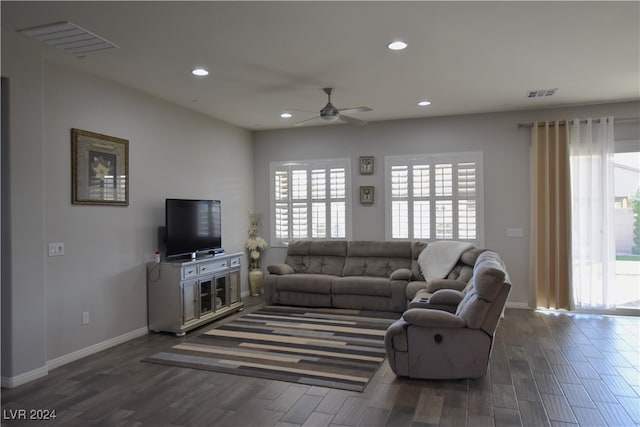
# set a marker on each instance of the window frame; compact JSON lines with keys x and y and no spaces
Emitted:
{"x":309,"y":166}
{"x":432,"y":160}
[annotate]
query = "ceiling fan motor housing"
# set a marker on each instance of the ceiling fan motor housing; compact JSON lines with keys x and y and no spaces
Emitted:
{"x":329,"y":113}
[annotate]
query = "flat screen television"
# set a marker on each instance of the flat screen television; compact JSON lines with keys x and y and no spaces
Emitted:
{"x":192,"y":227}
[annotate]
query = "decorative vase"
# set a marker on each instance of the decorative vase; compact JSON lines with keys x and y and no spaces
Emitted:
{"x":255,"y":282}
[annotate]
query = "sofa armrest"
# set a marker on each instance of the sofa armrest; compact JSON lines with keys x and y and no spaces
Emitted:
{"x":432,"y":318}
{"x":280,"y":269}
{"x":401,"y":274}
{"x":437,"y":284}
{"x":446,"y":296}
{"x":395,"y":338}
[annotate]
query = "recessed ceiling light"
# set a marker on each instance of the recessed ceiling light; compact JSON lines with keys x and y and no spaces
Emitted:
{"x":397,"y":45}
{"x":424,"y":103}
{"x":199,"y":72}
{"x":286,"y":115}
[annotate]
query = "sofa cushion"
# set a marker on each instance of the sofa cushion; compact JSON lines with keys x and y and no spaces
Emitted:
{"x":438,"y":284}
{"x":317,"y":247}
{"x":357,"y":285}
{"x":317,"y":256}
{"x":470,"y":256}
{"x":316,"y":264}
{"x":447,"y":297}
{"x":379,"y":249}
{"x":280,"y":269}
{"x":461,"y":272}
{"x":432,"y":318}
{"x":488,"y":275}
{"x":310,"y":283}
{"x":416,"y":249}
{"x":373,"y":266}
{"x":414,"y":287}
{"x":488,"y":279}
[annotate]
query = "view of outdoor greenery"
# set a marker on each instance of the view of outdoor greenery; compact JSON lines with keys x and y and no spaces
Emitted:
{"x":627,"y":223}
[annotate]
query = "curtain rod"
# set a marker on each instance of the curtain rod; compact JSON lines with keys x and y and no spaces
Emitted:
{"x":563,"y":122}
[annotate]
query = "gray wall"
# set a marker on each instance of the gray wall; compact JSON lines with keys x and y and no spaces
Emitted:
{"x":24,"y":340}
{"x":506,"y":169}
{"x":172,"y":153}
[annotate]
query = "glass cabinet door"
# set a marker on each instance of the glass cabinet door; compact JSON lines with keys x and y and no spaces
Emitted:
{"x":206,"y":296}
{"x":222,"y":297}
{"x":189,"y":301}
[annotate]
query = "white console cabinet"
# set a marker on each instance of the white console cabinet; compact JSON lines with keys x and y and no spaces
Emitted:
{"x":182,"y":295}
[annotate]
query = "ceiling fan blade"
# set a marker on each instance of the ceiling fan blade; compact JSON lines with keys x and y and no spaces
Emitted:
{"x":305,"y":121}
{"x":303,"y":111}
{"x":352,"y":120}
{"x":355,"y":110}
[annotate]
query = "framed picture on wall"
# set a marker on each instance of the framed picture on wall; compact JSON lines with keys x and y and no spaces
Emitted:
{"x":99,"y":169}
{"x":366,"y":194}
{"x":366,"y":165}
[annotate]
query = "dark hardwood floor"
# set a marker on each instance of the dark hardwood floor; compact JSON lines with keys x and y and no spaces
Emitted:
{"x":547,"y":369}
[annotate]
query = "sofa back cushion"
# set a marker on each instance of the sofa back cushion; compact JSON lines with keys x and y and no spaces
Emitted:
{"x":376,"y":258}
{"x":462,"y":271}
{"x":416,"y":249}
{"x":485,"y":294}
{"x":317,"y":256}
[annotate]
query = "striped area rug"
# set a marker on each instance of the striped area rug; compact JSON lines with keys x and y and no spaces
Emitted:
{"x":325,"y":347}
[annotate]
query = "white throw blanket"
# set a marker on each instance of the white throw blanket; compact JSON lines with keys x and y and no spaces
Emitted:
{"x":438,"y":259}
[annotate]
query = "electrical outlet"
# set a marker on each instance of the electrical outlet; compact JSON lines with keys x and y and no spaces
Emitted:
{"x":85,"y":317}
{"x":56,"y":249}
{"x":515,"y":232}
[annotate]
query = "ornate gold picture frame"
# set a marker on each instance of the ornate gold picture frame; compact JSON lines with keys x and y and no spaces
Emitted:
{"x":99,"y":169}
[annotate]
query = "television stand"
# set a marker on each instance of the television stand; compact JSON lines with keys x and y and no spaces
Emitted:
{"x":185,"y":294}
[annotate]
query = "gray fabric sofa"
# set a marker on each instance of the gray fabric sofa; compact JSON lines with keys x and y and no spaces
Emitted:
{"x":363,"y":275}
{"x":435,"y":344}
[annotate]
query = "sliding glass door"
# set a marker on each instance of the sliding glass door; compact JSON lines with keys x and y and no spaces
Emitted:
{"x":626,"y":208}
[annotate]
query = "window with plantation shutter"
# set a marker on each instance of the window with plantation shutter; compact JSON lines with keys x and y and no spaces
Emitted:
{"x":310,"y":200}
{"x":434,"y":197}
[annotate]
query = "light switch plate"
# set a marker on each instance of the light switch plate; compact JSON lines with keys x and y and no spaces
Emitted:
{"x":56,"y":249}
{"x":514,"y":232}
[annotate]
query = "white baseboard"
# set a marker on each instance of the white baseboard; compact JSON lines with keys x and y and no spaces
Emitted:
{"x":88,"y":351}
{"x":518,"y":305}
{"x":10,"y":382}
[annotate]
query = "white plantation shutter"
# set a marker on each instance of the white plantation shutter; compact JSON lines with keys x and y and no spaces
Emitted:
{"x":467,"y":193}
{"x":310,"y":200}
{"x":400,"y":200}
{"x":434,"y":197}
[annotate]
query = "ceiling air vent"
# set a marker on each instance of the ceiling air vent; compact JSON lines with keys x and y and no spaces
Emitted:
{"x":69,"y":37}
{"x":541,"y":93}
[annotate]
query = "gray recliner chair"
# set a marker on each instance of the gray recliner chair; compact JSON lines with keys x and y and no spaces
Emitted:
{"x":435,"y":344}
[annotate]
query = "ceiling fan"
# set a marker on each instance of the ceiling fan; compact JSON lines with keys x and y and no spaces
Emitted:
{"x":330,"y":113}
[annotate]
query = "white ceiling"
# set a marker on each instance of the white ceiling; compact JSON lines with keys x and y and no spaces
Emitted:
{"x":268,"y":57}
